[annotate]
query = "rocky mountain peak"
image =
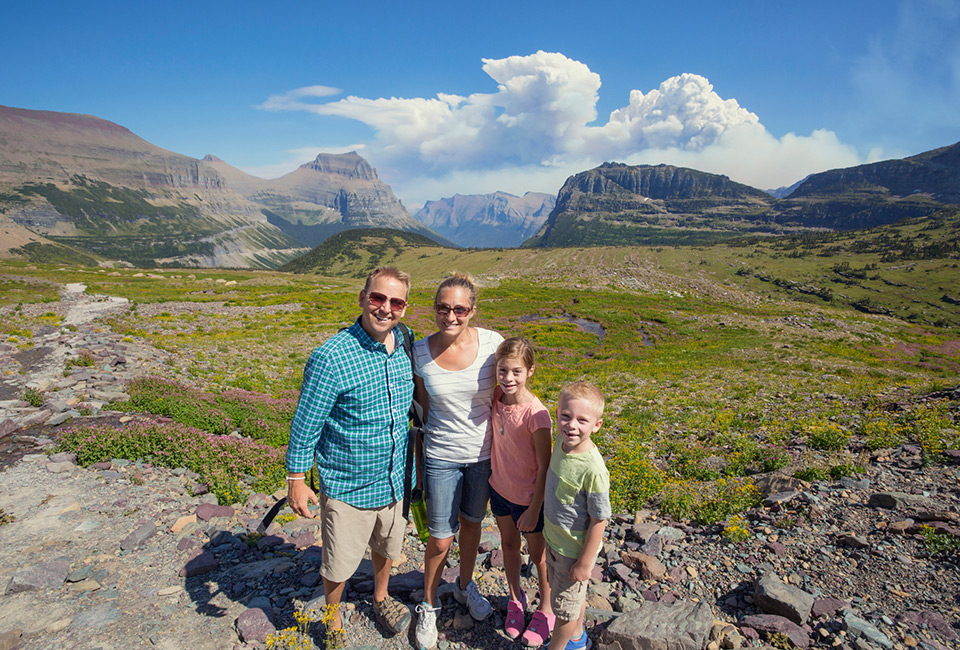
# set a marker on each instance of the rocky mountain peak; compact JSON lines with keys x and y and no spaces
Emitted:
{"x":351,"y":165}
{"x":211,"y":158}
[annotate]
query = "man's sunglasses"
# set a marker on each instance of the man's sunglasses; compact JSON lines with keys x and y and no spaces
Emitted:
{"x":377,"y":299}
{"x":460,"y":311}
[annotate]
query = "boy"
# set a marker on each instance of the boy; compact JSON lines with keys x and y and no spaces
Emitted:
{"x":576,"y":507}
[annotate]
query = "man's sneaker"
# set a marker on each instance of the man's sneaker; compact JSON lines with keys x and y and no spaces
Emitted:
{"x":426,"y":626}
{"x":583,"y":643}
{"x":478,"y":606}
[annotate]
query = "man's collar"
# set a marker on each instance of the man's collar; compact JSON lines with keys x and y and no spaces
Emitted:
{"x":367,"y":341}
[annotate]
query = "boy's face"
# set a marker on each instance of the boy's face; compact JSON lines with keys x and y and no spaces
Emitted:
{"x":576,"y":421}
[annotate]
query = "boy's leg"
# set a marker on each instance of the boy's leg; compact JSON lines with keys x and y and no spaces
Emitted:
{"x":510,"y":544}
{"x":563,"y":631}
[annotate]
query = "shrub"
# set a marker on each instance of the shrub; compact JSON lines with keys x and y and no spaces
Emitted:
{"x":223,"y":462}
{"x":708,"y":503}
{"x":33,"y":397}
{"x":827,"y":436}
{"x":634,"y":478}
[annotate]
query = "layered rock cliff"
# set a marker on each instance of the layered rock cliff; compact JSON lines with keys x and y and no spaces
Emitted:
{"x":332,"y":193}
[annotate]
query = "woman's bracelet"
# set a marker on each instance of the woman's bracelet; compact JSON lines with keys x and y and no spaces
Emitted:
{"x":296,"y":478}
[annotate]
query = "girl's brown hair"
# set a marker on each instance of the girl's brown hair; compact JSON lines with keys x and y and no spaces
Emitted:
{"x":516,"y":347}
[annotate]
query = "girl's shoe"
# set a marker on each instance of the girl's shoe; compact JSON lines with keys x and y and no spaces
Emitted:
{"x":514,"y":623}
{"x":583,"y":643}
{"x":541,"y":625}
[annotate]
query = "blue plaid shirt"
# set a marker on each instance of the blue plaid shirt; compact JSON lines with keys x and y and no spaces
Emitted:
{"x":352,"y":417}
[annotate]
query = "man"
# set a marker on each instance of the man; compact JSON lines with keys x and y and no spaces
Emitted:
{"x":352,"y":418}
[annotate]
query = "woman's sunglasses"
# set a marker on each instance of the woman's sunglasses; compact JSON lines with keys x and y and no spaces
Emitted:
{"x":460,"y":311}
{"x":377,"y":299}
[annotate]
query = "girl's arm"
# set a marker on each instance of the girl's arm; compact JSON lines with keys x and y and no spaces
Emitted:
{"x":541,"y":443}
{"x":583,"y":567}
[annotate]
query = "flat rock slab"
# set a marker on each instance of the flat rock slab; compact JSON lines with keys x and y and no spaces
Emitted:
{"x":894,"y":500}
{"x":49,"y":575}
{"x":207,"y":511}
{"x":96,"y":618}
{"x":139,"y":536}
{"x":198,"y":563}
{"x":656,"y":626}
{"x":858,"y":628}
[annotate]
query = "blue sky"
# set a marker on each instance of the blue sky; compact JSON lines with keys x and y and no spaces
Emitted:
{"x":475,"y":97}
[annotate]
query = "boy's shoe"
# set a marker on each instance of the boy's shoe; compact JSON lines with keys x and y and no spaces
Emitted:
{"x":478,"y":606}
{"x":541,"y":625}
{"x":514,"y":623}
{"x":392,"y":614}
{"x":426,"y":626}
{"x":583,"y":643}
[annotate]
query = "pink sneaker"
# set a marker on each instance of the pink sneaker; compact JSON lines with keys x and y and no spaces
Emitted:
{"x":514,"y":623}
{"x":541,"y":625}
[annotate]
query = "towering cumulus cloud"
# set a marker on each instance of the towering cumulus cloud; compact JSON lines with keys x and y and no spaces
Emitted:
{"x":543,"y":117}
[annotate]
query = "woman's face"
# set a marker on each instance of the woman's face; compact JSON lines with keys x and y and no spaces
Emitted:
{"x":449,"y":303}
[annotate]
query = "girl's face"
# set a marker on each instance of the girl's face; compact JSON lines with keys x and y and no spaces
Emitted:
{"x":512,"y":376}
{"x":453,"y":310}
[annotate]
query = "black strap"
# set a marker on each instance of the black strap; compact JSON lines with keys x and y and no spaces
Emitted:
{"x":416,"y":419}
{"x":278,"y":506}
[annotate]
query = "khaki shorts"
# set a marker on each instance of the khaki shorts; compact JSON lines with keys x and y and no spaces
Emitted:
{"x":566,"y":596}
{"x":347,"y":532}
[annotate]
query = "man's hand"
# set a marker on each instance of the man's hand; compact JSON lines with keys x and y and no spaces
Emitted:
{"x":299,"y":497}
{"x":528,"y":520}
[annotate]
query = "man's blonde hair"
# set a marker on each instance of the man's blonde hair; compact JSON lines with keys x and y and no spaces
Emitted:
{"x":390,"y":272}
{"x":586,"y":391}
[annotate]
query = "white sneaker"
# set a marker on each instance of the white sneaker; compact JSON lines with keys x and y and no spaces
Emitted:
{"x":426,"y":626}
{"x":478,"y":606}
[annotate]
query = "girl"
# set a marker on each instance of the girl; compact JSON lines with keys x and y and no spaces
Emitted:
{"x":520,"y":456}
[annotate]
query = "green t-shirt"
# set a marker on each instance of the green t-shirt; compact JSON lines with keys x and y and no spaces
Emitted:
{"x":577,"y":488}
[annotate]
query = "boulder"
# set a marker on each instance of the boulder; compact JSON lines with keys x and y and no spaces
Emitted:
{"x":776,"y":597}
{"x":255,"y":625}
{"x":649,"y":567}
{"x":858,"y":628}
{"x":657,"y":626}
{"x":771,"y":624}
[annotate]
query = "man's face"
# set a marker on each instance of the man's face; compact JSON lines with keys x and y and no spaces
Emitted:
{"x":380,"y":304}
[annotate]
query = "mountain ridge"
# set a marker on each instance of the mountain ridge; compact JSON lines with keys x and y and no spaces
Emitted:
{"x":495,"y":220}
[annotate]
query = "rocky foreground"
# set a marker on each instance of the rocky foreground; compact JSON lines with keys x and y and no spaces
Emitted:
{"x":126,"y":555}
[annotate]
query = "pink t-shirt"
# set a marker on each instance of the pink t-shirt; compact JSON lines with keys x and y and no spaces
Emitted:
{"x":513,"y":456}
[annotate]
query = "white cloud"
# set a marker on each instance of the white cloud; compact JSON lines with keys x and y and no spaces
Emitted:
{"x":295,"y":158}
{"x":538,"y":128}
{"x":290,"y":100}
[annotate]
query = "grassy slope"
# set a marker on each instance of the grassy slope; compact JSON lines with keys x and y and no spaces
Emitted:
{"x":697,"y":352}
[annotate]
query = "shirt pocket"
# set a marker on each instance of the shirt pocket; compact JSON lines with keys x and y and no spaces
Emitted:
{"x":566,"y":492}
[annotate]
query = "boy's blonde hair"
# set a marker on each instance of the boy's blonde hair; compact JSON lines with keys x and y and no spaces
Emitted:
{"x":515,"y":347}
{"x":586,"y":391}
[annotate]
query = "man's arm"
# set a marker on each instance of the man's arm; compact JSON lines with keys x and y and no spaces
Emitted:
{"x":317,"y":397}
{"x":583,"y":567}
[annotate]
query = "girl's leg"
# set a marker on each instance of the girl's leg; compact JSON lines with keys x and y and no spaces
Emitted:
{"x":537,"y":547}
{"x":510,"y":544}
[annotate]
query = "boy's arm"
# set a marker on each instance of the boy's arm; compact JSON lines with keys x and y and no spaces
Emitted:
{"x":583,"y":567}
{"x":541,"y":444}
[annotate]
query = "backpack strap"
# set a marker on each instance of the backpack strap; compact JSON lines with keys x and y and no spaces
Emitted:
{"x":416,"y":427}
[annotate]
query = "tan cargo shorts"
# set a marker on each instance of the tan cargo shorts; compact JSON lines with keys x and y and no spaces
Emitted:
{"x":347,"y":532}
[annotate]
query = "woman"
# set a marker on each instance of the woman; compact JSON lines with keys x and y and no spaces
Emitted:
{"x":455,"y":374}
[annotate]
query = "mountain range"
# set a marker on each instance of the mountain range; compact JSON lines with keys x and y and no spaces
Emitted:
{"x":72,"y":186}
{"x":618,"y":204}
{"x":497,"y":220}
{"x":83,"y":189}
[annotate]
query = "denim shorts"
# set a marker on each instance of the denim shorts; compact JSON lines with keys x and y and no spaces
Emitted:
{"x":454,"y":490}
{"x":500,"y":507}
